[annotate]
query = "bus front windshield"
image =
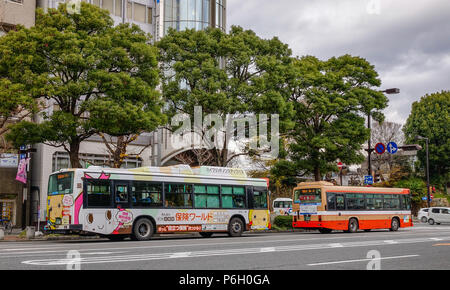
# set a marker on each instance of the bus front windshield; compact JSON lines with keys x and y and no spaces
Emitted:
{"x":60,"y":183}
{"x":307,"y":195}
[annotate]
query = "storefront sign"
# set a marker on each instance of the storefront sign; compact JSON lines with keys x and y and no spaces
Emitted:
{"x":8,"y":160}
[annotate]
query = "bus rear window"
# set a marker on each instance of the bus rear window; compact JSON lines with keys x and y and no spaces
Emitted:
{"x":60,"y":183}
{"x":308,"y":195}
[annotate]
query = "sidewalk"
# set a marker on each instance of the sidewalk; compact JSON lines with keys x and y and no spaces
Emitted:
{"x":19,"y":235}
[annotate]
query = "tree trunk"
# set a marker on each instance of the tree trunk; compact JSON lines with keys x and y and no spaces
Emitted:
{"x":120,"y":152}
{"x":317,"y":176}
{"x":74,"y":154}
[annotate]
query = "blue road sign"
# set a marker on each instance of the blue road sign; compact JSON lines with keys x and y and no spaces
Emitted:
{"x":392,"y":147}
{"x":368,"y":179}
{"x":380,"y":148}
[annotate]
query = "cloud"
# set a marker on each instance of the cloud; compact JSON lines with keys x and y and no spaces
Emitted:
{"x":407,"y":41}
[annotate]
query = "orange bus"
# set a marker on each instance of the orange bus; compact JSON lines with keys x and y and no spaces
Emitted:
{"x":325,"y":207}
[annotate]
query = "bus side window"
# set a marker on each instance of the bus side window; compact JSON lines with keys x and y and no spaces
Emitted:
{"x":331,"y":201}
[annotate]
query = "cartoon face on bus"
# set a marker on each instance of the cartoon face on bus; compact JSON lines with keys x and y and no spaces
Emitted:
{"x":55,"y":208}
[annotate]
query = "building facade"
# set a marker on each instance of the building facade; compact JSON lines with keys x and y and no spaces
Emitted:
{"x":14,"y":195}
{"x":154,"y":17}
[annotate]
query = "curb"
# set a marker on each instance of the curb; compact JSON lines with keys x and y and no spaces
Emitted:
{"x":44,"y":238}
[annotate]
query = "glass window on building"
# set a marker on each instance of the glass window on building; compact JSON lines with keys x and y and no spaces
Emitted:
{"x":61,"y":160}
{"x":149,"y":15}
{"x":118,"y":8}
{"x":108,"y":5}
{"x":129,"y":10}
{"x":139,"y":12}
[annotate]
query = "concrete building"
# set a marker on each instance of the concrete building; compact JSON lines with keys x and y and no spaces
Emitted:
{"x":154,"y":17}
{"x":14,"y":202}
{"x":14,"y":12}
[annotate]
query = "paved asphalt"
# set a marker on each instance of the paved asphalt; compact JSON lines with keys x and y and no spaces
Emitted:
{"x":422,"y":247}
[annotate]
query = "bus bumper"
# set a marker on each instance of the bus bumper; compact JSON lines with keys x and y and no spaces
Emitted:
{"x":63,"y":229}
{"x":311,"y":224}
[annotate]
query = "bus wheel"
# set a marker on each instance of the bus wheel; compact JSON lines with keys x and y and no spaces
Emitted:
{"x":143,"y":229}
{"x":325,"y":231}
{"x":394,"y":225}
{"x":205,"y":234}
{"x":236,"y":227}
{"x":352,"y":225}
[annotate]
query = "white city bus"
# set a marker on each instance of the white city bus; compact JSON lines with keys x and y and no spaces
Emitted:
{"x":282,"y":206}
{"x":141,"y":202}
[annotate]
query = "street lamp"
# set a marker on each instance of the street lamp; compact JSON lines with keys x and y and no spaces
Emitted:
{"x":428,"y":167}
{"x":369,"y":148}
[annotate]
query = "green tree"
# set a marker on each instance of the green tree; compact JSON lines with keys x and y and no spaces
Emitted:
{"x":330,"y":99}
{"x":15,"y":105}
{"x":226,"y":74}
{"x":430,"y":118}
{"x":99,"y":78}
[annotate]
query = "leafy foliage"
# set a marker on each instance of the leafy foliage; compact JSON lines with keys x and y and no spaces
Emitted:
{"x":430,"y":118}
{"x":99,"y":77}
{"x":233,"y":74}
{"x":330,"y":99}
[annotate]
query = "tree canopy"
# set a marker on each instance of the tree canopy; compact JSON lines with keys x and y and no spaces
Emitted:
{"x":330,"y":99}
{"x":224,"y":74}
{"x":430,"y":118}
{"x":96,"y":77}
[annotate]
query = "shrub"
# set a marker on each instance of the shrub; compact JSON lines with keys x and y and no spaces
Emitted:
{"x":283,"y":222}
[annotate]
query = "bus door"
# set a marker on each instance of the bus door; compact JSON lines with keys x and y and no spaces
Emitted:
{"x":259,"y":216}
{"x":340,"y":206}
{"x":121,"y":219}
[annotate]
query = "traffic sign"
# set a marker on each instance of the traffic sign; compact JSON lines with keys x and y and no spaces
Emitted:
{"x":380,"y":148}
{"x":392,"y":147}
{"x":339,"y":165}
{"x":368,"y":179}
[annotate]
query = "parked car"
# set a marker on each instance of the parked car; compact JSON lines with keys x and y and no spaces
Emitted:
{"x":422,"y":215}
{"x":439,"y":215}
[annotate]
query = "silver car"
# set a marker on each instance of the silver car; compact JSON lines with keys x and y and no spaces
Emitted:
{"x":422,"y":215}
{"x":439,"y":215}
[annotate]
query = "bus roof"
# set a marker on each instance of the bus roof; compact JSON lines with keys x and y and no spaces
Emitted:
{"x":282,"y":199}
{"x":207,"y":172}
{"x":327,"y":186}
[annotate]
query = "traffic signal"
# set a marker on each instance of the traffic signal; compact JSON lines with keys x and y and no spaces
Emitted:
{"x":377,"y":177}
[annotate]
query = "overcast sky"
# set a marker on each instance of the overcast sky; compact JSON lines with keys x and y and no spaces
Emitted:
{"x":408,"y":41}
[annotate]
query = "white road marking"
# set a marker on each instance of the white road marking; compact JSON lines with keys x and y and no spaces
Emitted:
{"x":391,"y":242}
{"x":226,"y":252}
{"x":336,"y":245}
{"x":267,"y":250}
{"x":362,"y":260}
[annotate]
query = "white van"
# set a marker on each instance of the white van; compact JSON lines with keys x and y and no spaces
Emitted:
{"x":438,"y":215}
{"x":282,"y":206}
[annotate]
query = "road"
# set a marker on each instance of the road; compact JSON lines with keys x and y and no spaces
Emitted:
{"x":419,"y":247}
